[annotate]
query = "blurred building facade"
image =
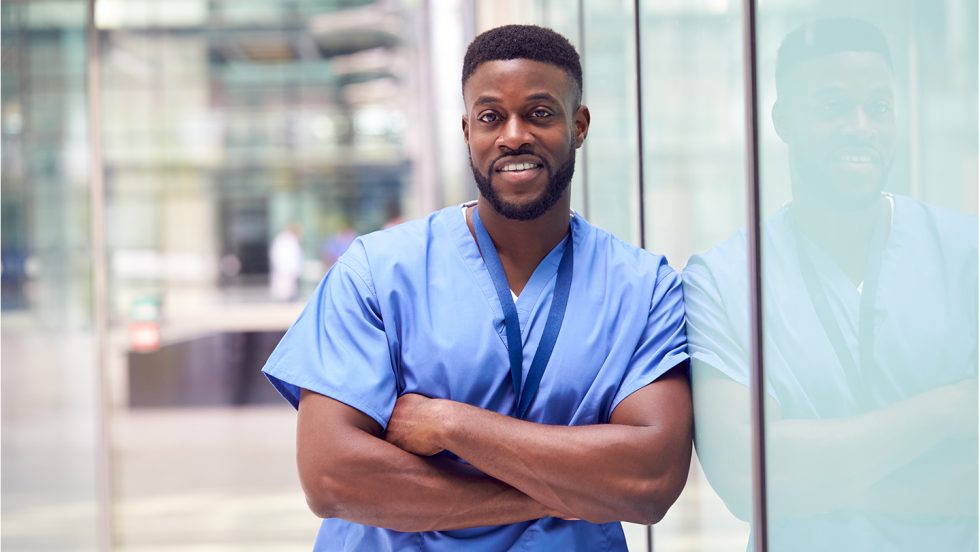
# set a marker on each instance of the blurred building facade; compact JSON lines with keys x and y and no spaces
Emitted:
{"x":133,"y":413}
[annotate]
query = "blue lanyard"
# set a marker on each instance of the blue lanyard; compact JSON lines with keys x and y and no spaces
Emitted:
{"x":515,"y":345}
{"x":858,"y":371}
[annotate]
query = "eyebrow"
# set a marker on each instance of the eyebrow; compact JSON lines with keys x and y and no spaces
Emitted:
{"x":537,"y":96}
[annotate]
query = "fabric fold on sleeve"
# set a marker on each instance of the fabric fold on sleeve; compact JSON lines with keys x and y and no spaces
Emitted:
{"x":338,"y":347}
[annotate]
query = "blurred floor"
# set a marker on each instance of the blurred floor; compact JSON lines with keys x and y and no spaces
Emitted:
{"x":193,"y":479}
{"x":209,"y":480}
{"x":225,"y":479}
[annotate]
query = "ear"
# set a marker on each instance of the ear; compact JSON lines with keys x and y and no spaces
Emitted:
{"x":582,"y":120}
{"x":466,"y":128}
{"x":779,"y":121}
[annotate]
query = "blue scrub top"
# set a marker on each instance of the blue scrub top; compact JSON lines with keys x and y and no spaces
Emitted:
{"x":413,"y":309}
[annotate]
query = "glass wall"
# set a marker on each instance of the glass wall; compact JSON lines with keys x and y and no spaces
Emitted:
{"x":50,"y":443}
{"x":246,"y":146}
{"x":870,"y":274}
{"x":868,"y":160}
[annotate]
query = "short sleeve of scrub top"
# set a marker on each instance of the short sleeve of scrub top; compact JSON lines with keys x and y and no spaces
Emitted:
{"x":713,"y":340}
{"x":663,"y":343}
{"x":337,"y":346}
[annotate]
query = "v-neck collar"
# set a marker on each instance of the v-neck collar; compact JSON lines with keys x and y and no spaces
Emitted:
{"x":829,"y":271}
{"x":543,"y":274}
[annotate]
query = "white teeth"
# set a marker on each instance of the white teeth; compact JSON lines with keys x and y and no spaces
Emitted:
{"x":518,"y":167}
{"x":856,"y":158}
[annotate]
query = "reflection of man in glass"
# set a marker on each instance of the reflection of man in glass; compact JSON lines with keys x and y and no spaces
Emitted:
{"x":870,"y":327}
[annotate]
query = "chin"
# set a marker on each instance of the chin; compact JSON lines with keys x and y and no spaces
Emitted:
{"x":856,"y":195}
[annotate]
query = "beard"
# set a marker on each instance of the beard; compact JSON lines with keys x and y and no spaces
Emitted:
{"x":558,"y":182}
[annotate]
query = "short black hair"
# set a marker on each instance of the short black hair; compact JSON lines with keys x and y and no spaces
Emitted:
{"x":824,"y":37}
{"x":524,"y":42}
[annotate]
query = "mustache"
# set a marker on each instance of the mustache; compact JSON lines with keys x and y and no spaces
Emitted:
{"x":523,"y":150}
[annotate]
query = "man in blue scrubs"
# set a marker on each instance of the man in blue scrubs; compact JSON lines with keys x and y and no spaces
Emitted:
{"x":869,"y":320}
{"x":500,"y":375}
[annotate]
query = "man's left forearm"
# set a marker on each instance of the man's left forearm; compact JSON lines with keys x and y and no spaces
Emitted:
{"x":600,"y":473}
{"x":604,"y":472}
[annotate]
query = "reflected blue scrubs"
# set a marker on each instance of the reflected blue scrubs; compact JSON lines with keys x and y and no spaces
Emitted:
{"x":925,"y":336}
{"x":413,"y":309}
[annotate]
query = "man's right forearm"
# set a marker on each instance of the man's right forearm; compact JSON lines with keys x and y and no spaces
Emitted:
{"x":387,"y":487}
{"x":351,"y":473}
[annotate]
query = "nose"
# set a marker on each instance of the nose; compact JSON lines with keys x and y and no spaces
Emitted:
{"x":860,"y":124}
{"x":514,"y":134}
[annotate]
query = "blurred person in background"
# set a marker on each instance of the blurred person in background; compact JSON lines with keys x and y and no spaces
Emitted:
{"x":870,"y":326}
{"x":336,"y":245}
{"x":285,"y":263}
{"x":499,"y":375}
{"x":393,"y":215}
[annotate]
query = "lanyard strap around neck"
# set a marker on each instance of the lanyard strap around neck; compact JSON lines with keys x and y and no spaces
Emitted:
{"x":515,"y":346}
{"x":858,"y":369}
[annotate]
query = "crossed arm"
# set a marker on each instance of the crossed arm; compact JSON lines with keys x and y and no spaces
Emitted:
{"x":631,"y":469}
{"x":820,"y":465}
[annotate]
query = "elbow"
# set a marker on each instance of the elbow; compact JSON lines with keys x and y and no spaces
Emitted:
{"x":325,"y":497}
{"x":321,"y":503}
{"x":653,"y":500}
{"x":651,"y":514}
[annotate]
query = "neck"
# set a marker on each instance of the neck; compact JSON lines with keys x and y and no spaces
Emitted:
{"x":522,"y":244}
{"x":844,"y":235}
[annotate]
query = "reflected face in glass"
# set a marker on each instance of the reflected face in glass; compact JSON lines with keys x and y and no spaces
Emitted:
{"x":522,"y":125}
{"x":836,"y":115}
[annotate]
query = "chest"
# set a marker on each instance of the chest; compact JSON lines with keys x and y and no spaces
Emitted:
{"x":448,"y":341}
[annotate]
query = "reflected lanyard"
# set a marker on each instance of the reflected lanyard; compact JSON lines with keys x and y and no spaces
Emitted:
{"x":515,"y":345}
{"x":857,"y":369}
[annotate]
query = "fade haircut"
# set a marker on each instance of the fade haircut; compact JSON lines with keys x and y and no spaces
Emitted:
{"x":824,"y":37}
{"x":524,"y":42}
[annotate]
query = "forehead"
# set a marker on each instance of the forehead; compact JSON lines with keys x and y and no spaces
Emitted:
{"x":516,"y":79}
{"x":854,"y":72}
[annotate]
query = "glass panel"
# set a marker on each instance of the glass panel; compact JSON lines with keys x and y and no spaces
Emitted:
{"x":49,"y":445}
{"x":608,"y":64}
{"x":694,"y":151}
{"x":245,"y":147}
{"x":870,"y":273}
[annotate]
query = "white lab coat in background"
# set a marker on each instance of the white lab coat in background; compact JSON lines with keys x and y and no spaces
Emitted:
{"x":285,"y":265}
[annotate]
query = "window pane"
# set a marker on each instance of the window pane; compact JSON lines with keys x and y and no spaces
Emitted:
{"x":50,"y":444}
{"x":870,"y":273}
{"x":694,"y":151}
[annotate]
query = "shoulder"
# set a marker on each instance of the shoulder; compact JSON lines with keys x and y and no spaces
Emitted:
{"x":952,"y":229}
{"x":403,"y":243}
{"x":617,"y":257}
{"x":722,"y":263}
{"x":624,"y":274}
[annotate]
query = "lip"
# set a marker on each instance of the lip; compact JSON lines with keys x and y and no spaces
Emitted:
{"x":857,"y":155}
{"x":511,"y":159}
{"x":518,"y":177}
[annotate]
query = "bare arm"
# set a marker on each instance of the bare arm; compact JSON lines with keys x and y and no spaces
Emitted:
{"x":347,"y":471}
{"x":631,"y":469}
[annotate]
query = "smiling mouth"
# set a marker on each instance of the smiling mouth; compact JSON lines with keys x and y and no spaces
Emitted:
{"x":518,"y":167}
{"x":860,"y":159}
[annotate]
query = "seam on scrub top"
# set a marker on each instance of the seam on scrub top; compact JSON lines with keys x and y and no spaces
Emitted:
{"x":365,"y":280}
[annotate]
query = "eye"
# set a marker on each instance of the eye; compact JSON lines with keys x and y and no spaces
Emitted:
{"x":830,"y":108}
{"x":880,"y":108}
{"x":488,"y":117}
{"x":540,"y":113}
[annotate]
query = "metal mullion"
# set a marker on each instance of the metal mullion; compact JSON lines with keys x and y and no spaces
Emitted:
{"x":100,"y":303}
{"x":753,"y":231}
{"x":585,"y":149}
{"x":639,"y":124}
{"x":640,"y":195}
